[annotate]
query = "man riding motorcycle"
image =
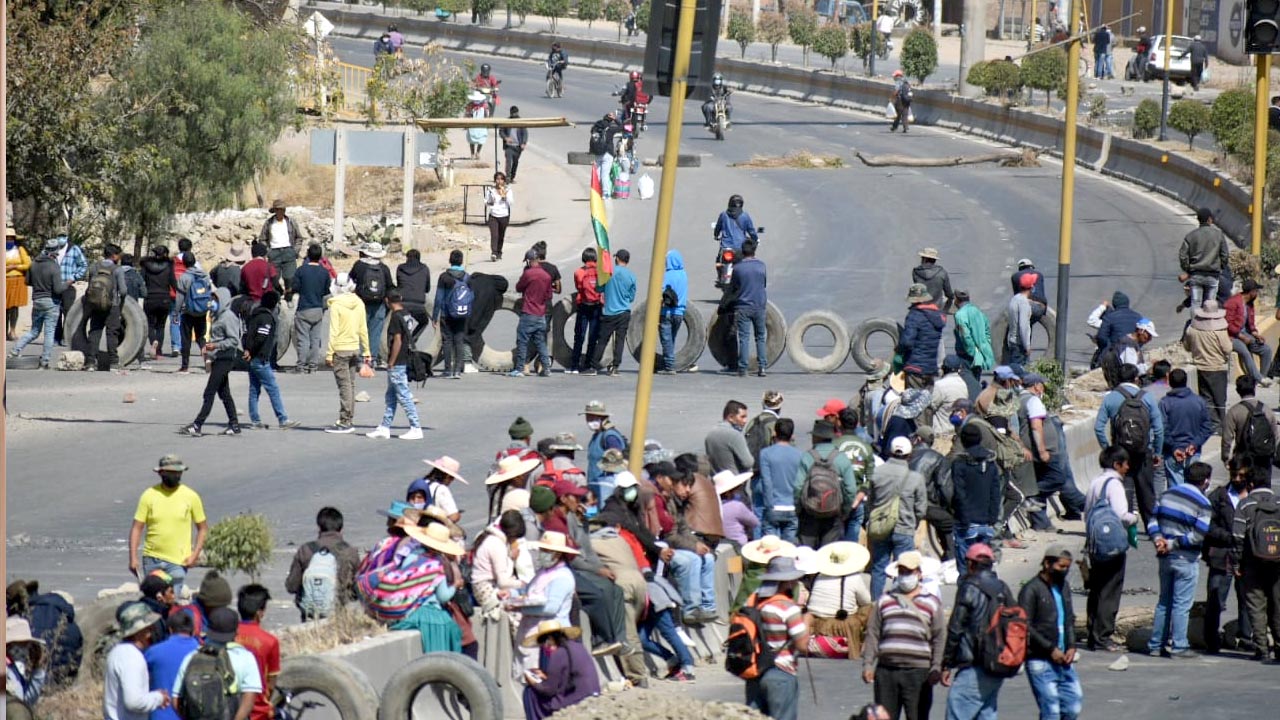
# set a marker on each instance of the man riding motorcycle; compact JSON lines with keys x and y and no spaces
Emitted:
{"x":733,"y":227}
{"x":488,"y":84}
{"x":557,"y":61}
{"x":632,"y":95}
{"x":718,"y":91}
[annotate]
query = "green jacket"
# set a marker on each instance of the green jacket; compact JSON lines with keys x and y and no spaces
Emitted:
{"x":843,"y":466}
{"x":862,"y":456}
{"x":973,"y":337}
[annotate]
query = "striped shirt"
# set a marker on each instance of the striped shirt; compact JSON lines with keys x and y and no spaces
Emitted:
{"x":905,"y":632}
{"x":1181,"y":517}
{"x":783,"y":624}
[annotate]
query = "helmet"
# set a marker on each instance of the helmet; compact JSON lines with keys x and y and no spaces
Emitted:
{"x":635,"y":74}
{"x":717,"y":80}
{"x":484,"y":69}
{"x":735,"y":201}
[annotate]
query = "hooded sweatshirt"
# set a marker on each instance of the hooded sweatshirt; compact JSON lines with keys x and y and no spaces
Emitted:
{"x":1119,"y":321}
{"x":184,"y":287}
{"x":348,"y":325}
{"x":935,"y":278}
{"x":677,"y":279}
{"x":159,"y":278}
{"x":444,"y":286}
{"x":226,"y":330}
{"x":45,"y":278}
{"x":414,"y":281}
{"x":261,"y":333}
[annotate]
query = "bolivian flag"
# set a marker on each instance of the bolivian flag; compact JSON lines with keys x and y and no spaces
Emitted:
{"x":600,"y":225}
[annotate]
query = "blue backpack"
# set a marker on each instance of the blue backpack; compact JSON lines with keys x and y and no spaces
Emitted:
{"x":461,"y":297}
{"x":1105,"y":536}
{"x":199,"y":295}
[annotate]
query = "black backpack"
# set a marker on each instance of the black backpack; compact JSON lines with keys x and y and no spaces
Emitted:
{"x":1259,"y":437}
{"x":904,"y":92}
{"x":373,"y":285}
{"x":1264,"y":531}
{"x":208,"y":686}
{"x":419,"y":367}
{"x":599,"y":140}
{"x":1131,"y":426}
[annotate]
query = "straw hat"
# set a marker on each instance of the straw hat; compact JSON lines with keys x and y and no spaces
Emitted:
{"x":727,"y":480}
{"x":236,"y":253}
{"x":898,"y":381}
{"x":842,"y":558}
{"x":373,"y":250}
{"x":18,"y":630}
{"x":436,"y":537}
{"x":806,"y":560}
{"x":1209,"y":317}
{"x":448,"y":466}
{"x":511,"y":467}
{"x":556,"y":542}
{"x":546,"y":627}
{"x":766,"y":548}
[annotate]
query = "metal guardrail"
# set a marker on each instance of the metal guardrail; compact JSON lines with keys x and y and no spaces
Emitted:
{"x":354,"y":80}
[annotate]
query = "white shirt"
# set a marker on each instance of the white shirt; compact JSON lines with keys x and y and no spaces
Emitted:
{"x":279,"y":234}
{"x":824,"y":598}
{"x":885,"y":23}
{"x":125,"y":695}
{"x":1115,"y":495}
{"x":442,"y":497}
{"x":498,"y":205}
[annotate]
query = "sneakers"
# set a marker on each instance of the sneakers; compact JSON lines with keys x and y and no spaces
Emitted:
{"x":612,"y":371}
{"x":515,"y":373}
{"x":571,"y":371}
{"x":382,"y":432}
{"x":590,"y":372}
{"x":259,"y":426}
{"x":665,"y":372}
{"x":413,"y":434}
{"x":192,"y":431}
{"x":290,"y":424}
{"x":545,"y":373}
{"x":340,"y":429}
{"x":680,"y":676}
{"x":233,"y":430}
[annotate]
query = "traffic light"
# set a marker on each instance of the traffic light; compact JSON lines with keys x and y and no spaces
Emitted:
{"x":660,"y":52}
{"x":1262,"y":27}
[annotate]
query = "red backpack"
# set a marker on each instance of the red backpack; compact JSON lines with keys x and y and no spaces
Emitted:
{"x":1002,"y":647}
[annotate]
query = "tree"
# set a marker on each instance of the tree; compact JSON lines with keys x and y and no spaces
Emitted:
{"x":802,"y":26}
{"x":773,"y":30}
{"x":741,"y":30}
{"x":642,"y":17}
{"x":865,"y":40}
{"x":241,"y":543}
{"x":1045,"y":70}
{"x":1146,"y":118}
{"x":1190,"y":117}
{"x":616,"y":12}
{"x":919,"y":54}
{"x":430,"y":87}
{"x":831,"y":43}
{"x":590,"y":10}
{"x":202,"y":100}
{"x":453,"y":7}
{"x":484,"y":9}
{"x":1231,"y":119}
{"x":521,"y":8}
{"x":552,"y":10}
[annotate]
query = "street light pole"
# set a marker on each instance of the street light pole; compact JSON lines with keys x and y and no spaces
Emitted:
{"x":661,"y":233}
{"x":1168,"y":55}
{"x":875,"y":36}
{"x":1068,"y":195}
{"x":1257,"y":208}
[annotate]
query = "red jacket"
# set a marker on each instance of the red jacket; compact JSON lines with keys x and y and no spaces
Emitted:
{"x":1240,"y":316}
{"x":585,"y":279}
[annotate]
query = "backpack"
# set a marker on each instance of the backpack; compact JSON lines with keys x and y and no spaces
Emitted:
{"x":1002,"y":646}
{"x":419,"y":366}
{"x":461,"y":298}
{"x":209,"y":686}
{"x":1264,"y":531}
{"x":319,"y":583}
{"x":1259,"y":439}
{"x":101,"y":294}
{"x":372,"y":288}
{"x":884,"y":519}
{"x":746,"y":654}
{"x":199,"y":295}
{"x":904,"y":92}
{"x":1131,"y":426}
{"x":821,"y":494}
{"x":1105,"y":535}
{"x":599,"y":144}
{"x":759,"y":433}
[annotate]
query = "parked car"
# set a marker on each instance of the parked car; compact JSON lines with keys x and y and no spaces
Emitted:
{"x":1179,"y":61}
{"x":851,"y":12}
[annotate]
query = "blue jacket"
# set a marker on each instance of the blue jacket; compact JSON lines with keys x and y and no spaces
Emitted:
{"x":748,"y":285}
{"x":620,"y":291}
{"x":1119,"y":321}
{"x":778,"y":466}
{"x":1186,"y":419}
{"x":610,"y":437}
{"x":1111,"y":403}
{"x":921,"y":333}
{"x":732,"y":233}
{"x":678,"y":280}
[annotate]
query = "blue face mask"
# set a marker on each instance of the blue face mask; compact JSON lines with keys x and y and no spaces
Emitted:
{"x":214,"y":306}
{"x":591,"y":511}
{"x":956,"y":419}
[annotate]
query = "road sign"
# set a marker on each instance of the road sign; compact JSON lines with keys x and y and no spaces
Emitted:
{"x":373,"y":148}
{"x":318,"y":26}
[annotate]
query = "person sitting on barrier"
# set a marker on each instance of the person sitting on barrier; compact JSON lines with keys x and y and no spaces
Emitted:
{"x":664,"y":599}
{"x":564,"y":676}
{"x":756,"y":555}
{"x":740,"y":523}
{"x":432,"y":547}
{"x":839,"y":601}
{"x":698,"y":529}
{"x":549,"y":596}
{"x":512,"y":474}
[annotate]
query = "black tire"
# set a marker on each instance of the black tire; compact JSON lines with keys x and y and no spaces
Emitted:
{"x":858,"y":343}
{"x":720,"y":127}
{"x":133,"y":333}
{"x":346,"y":688}
{"x":1048,"y":324}
{"x":492,"y":359}
{"x":694,"y":331}
{"x":721,"y":337}
{"x":561,"y":341}
{"x":22,"y":362}
{"x":795,"y":342}
{"x":466,"y":677}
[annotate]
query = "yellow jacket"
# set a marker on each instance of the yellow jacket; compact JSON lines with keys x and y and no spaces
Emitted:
{"x":348,"y":327}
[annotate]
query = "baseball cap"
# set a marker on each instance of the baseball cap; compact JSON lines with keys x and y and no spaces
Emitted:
{"x":832,"y":407}
{"x":900,"y":447}
{"x":1033,"y":379}
{"x":1025,"y":263}
{"x":909,"y":560}
{"x":564,"y":488}
{"x":1004,"y":372}
{"x":223,"y":623}
{"x":625,"y":479}
{"x":1150,"y":327}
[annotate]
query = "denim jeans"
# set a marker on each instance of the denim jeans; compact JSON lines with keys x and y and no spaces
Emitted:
{"x":1175,"y":472}
{"x":1014,"y":354}
{"x":44,"y":318}
{"x":696,"y":579}
{"x":663,"y":624}
{"x":175,"y":571}
{"x":1245,"y":354}
{"x":751,"y":322}
{"x":1219,"y":590}
{"x":175,"y":328}
{"x":966,"y":536}
{"x":586,"y":332}
{"x":853,"y":525}
{"x":782,"y":523}
{"x":532,"y":328}
{"x":775,"y":694}
{"x":1179,"y":572}
{"x":262,"y":377}
{"x":1203,"y":287}
{"x":1056,"y":689}
{"x":882,"y":551}
{"x":973,"y":695}
{"x":605,"y":164}
{"x":375,"y":315}
{"x":667,"y":330}
{"x":398,"y":393}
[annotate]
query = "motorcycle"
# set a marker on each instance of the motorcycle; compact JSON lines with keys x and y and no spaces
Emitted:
{"x":639,"y":113}
{"x":725,"y":260}
{"x":555,"y":81}
{"x":721,"y":123}
{"x":490,"y":95}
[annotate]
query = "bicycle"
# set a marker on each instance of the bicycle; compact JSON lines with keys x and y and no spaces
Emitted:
{"x":555,"y":82}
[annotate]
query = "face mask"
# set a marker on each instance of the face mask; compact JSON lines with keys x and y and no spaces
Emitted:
{"x":957,"y":419}
{"x":545,"y":559}
{"x":1059,"y":576}
{"x":908,"y":583}
{"x":590,"y":511}
{"x":419,"y":505}
{"x":171,"y":481}
{"x":630,"y":494}
{"x":594,"y":424}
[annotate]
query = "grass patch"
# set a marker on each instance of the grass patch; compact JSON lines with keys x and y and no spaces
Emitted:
{"x":798,"y":160}
{"x":348,"y":625}
{"x":82,"y":701}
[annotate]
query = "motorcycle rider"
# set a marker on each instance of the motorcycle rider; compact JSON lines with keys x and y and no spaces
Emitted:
{"x":557,"y":61}
{"x":487,"y":83}
{"x":603,"y":134}
{"x":1140,"y":58}
{"x":718,"y":91}
{"x":383,"y":46}
{"x":633,"y":93}
{"x":733,"y":227}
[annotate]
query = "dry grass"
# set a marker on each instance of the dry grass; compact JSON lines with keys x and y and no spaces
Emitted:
{"x":369,"y":189}
{"x":348,"y":625}
{"x":798,"y":160}
{"x":81,"y":702}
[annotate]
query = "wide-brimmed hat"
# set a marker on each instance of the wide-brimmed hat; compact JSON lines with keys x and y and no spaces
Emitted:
{"x":565,"y":441}
{"x":882,"y":370}
{"x":448,"y":466}
{"x":396,"y":510}
{"x":10,"y":233}
{"x":510,"y":467}
{"x":18,"y":630}
{"x":1146,"y":325}
{"x":766,"y":548}
{"x":842,"y":558}
{"x":727,"y":480}
{"x":1209,"y":317}
{"x":806,"y":559}
{"x":781,"y":569}
{"x":823,"y":430}
{"x":612,"y":461}
{"x":277,"y":204}
{"x":236,"y":253}
{"x":557,"y":542}
{"x":929,"y":253}
{"x":596,"y":408}
{"x":171,"y":463}
{"x":373,"y":250}
{"x":918,"y":293}
{"x":913,"y":402}
{"x":546,"y":627}
{"x":134,"y":618}
{"x":437,"y":537}
{"x":898,"y":381}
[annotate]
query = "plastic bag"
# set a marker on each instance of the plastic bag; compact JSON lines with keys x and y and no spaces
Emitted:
{"x":890,"y":113}
{"x":645,"y":186}
{"x":1204,"y":74}
{"x":911,"y":117}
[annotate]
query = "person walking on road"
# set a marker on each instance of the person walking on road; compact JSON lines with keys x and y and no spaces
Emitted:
{"x":1243,"y":431}
{"x":675,"y":297}
{"x":977,"y":494}
{"x":74,"y":268}
{"x":497,"y":202}
{"x":1051,"y":637}
{"x":1203,"y":256}
{"x":1199,"y":61}
{"x":935,"y":278}
{"x":974,"y":693}
{"x":45,"y":279}
{"x":260,"y":350}
{"x":223,"y":348}
{"x":1041,"y":432}
{"x":534,"y":287}
{"x":103,"y":304}
{"x":452,"y":307}
{"x":256,"y":277}
{"x":413,"y":279}
{"x":1246,"y":341}
{"x":373,"y":281}
{"x":1254,"y":554}
{"x":786,"y":634}
{"x":311,"y":286}
{"x":903,"y":650}
{"x":587,"y":303}
{"x":901,"y":101}
{"x":1218,"y":543}
{"x":348,"y":348}
{"x":618,"y":295}
{"x":157,"y":275}
{"x":194,"y":300}
{"x":514,"y":142}
{"x":1102,"y":39}
{"x":280,"y":234}
{"x":1017,"y":314}
{"x":1210,"y":347}
{"x":1177,"y":529}
{"x":1106,"y":575}
{"x":898,"y":501}
{"x":749,"y":303}
{"x":399,"y":345}
{"x":168,"y":512}
{"x":1039,"y":300}
{"x":921,"y":339}
{"x":1188,"y":426}
{"x":1140,"y":434}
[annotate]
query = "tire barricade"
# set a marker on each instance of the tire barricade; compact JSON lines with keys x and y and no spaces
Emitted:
{"x":133,"y":332}
{"x":1048,"y":323}
{"x":721,"y":339}
{"x":795,"y":342}
{"x":693,"y":330}
{"x":343,"y":686}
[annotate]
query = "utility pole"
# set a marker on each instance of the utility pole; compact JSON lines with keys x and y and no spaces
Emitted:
{"x":662,"y":232}
{"x":973,"y":44}
{"x":1168,"y":55}
{"x":1258,"y":207}
{"x":1031,"y":31}
{"x":875,"y":36}
{"x":4,"y":198}
{"x":1068,"y":195}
